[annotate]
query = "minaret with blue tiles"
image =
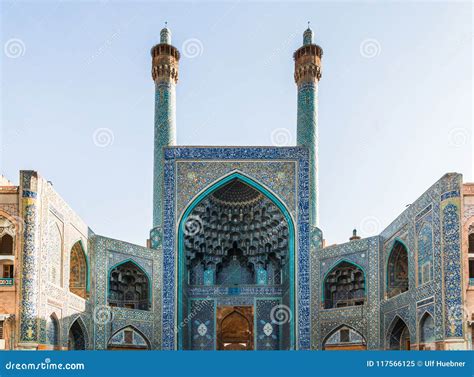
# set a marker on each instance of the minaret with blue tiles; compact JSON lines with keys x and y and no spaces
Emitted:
{"x":307,"y":75}
{"x":165,"y":59}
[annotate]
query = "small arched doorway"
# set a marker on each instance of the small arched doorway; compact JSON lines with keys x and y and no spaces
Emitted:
{"x":427,"y":333}
{"x":52,"y":331}
{"x":76,"y":337}
{"x":398,"y":335}
{"x":235,"y":328}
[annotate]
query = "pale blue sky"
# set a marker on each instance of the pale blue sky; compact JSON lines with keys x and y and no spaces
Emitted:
{"x":390,"y":125}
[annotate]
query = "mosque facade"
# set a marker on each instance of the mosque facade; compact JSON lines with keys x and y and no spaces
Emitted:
{"x":235,"y":259}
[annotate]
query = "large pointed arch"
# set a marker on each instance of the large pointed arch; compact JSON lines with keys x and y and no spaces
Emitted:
{"x":136,"y":265}
{"x":236,"y":175}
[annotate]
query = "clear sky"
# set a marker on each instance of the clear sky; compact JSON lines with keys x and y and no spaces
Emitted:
{"x":395,"y":98}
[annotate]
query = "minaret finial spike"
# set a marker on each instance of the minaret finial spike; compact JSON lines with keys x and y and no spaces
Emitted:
{"x":165,"y":34}
{"x":308,"y":36}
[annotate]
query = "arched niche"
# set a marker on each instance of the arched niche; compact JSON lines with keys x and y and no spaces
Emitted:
{"x":129,"y":286}
{"x":78,"y":271}
{"x":344,"y":285}
{"x":52,"y":330}
{"x":397,"y":270}
{"x":427,"y":332}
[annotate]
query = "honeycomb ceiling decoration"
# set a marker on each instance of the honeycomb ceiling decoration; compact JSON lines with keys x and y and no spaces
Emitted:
{"x":237,"y":216}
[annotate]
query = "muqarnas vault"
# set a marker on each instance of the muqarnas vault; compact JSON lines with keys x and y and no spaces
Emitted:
{"x":235,"y":258}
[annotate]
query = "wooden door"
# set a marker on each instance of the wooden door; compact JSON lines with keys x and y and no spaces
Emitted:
{"x":235,"y":328}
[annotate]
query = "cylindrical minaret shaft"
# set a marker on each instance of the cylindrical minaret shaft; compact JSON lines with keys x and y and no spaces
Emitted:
{"x":30,"y":188}
{"x":307,"y":75}
{"x":165,"y":75}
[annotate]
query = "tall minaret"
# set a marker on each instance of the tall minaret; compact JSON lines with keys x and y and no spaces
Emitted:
{"x":307,"y":75}
{"x":165,"y":58}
